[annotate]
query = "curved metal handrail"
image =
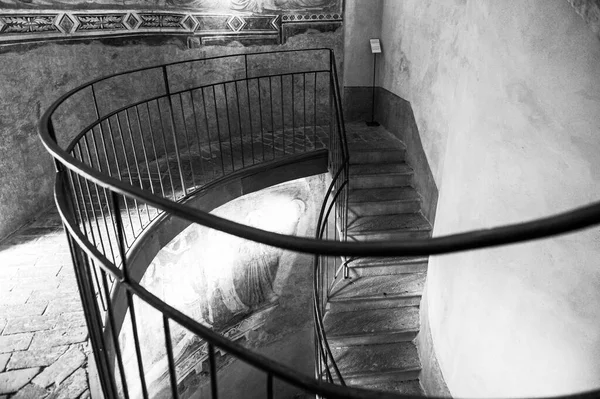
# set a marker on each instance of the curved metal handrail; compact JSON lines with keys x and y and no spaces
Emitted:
{"x":564,"y":222}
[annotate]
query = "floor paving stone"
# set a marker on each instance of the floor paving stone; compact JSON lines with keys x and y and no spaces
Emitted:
{"x":4,"y":360}
{"x":72,"y":387}
{"x":62,"y":368}
{"x":31,"y":391}
{"x":12,"y":381}
{"x":59,"y":337}
{"x":29,"y":324}
{"x":15,"y":342}
{"x":35,"y":357}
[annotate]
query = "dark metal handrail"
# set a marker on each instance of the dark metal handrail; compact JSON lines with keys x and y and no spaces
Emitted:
{"x":87,"y":256}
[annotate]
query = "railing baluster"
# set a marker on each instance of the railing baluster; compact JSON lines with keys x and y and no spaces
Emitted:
{"x":137,"y":163}
{"x":237,"y":97}
{"x":229,"y":127}
{"x":173,"y":132}
{"x":127,"y":287}
{"x":166,"y":153}
{"x":269,"y":386}
{"x":187,"y":141}
{"x":293,"y":114}
{"x":146,"y":160}
{"x":208,"y":134}
{"x":153,"y":142}
{"x":282,"y":113}
{"x":213,"y":371}
{"x":171,"y":362}
{"x":222,"y":156}
{"x":260,"y":113}
{"x":272,"y":118}
{"x":315,"y":114}
{"x":250,"y":117}
{"x":195,"y":117}
{"x":115,"y":337}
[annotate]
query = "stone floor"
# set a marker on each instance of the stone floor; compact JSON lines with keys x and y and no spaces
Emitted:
{"x":44,"y":348}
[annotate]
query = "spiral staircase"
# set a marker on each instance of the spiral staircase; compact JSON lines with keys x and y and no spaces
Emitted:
{"x":131,"y":166}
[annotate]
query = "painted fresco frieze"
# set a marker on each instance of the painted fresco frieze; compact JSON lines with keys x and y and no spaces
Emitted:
{"x":214,"y":21}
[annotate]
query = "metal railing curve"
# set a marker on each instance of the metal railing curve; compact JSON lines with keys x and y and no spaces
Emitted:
{"x":130,"y":162}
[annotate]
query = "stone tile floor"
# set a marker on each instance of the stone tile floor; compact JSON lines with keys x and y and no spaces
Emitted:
{"x":44,"y":348}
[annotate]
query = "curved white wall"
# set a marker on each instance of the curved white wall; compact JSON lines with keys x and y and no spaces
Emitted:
{"x":507,"y":99}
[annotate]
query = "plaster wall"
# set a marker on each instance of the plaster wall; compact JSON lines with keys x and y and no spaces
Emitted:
{"x":32,"y":76}
{"x":362,"y":21}
{"x":506,"y":97}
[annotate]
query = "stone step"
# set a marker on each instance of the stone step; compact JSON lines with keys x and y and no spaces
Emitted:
{"x":369,"y":155}
{"x":377,"y":292}
{"x":389,"y":227}
{"x":380,"y":175}
{"x":384,"y":201}
{"x":377,"y":364}
{"x":411,"y":388}
{"x":388,"y":266}
{"x":372,"y":326}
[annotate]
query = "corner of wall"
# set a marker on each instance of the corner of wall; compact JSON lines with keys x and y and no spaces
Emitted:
{"x":432,"y":378}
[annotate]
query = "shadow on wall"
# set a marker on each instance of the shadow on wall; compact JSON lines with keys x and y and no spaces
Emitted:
{"x":251,"y":293}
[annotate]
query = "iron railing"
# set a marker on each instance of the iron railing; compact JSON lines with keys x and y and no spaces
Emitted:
{"x":140,"y":142}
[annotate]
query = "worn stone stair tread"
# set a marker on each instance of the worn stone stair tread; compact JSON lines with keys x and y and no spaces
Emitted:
{"x":379,"y":287}
{"x":411,"y":387}
{"x":378,"y":223}
{"x":378,"y":360}
{"x":392,"y":260}
{"x":360,"y":195}
{"x":371,"y":321}
{"x":391,"y":168}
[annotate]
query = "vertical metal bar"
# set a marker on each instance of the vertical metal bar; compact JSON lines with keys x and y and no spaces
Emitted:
{"x":86,"y":142}
{"x":282,"y":114}
{"x":144,"y":152}
{"x":269,"y":386}
{"x":127,"y":287}
{"x":237,"y":97}
{"x":272,"y":118}
{"x":187,"y":141}
{"x":293,"y":114}
{"x":315,"y":113}
{"x":175,"y":141}
{"x":104,"y":189}
{"x":218,"y":131}
{"x":137,"y":162}
{"x":137,"y":208}
{"x":118,"y":166}
{"x":208,"y":132}
{"x":152,"y":141}
{"x":169,"y":346}
{"x":260,"y":112}
{"x":115,"y":337}
{"x":92,"y":317}
{"x":213,"y":371}
{"x":83,"y":201}
{"x":229,"y":126}
{"x":250,"y":115}
{"x":162,"y":129}
{"x":304,"y":110}
{"x":195,"y":116}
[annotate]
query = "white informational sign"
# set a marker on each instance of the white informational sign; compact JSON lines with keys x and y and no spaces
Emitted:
{"x":375,"y":46}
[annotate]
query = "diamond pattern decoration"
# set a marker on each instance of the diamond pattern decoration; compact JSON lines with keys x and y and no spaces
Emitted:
{"x":236,"y":23}
{"x":189,"y":23}
{"x":66,"y":24}
{"x":132,"y":21}
{"x":2,"y":25}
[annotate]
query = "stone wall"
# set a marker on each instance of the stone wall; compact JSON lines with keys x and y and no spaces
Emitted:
{"x":506,"y":97}
{"x":34,"y":74}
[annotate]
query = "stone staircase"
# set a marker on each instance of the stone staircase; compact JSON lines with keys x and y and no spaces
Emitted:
{"x":373,"y":316}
